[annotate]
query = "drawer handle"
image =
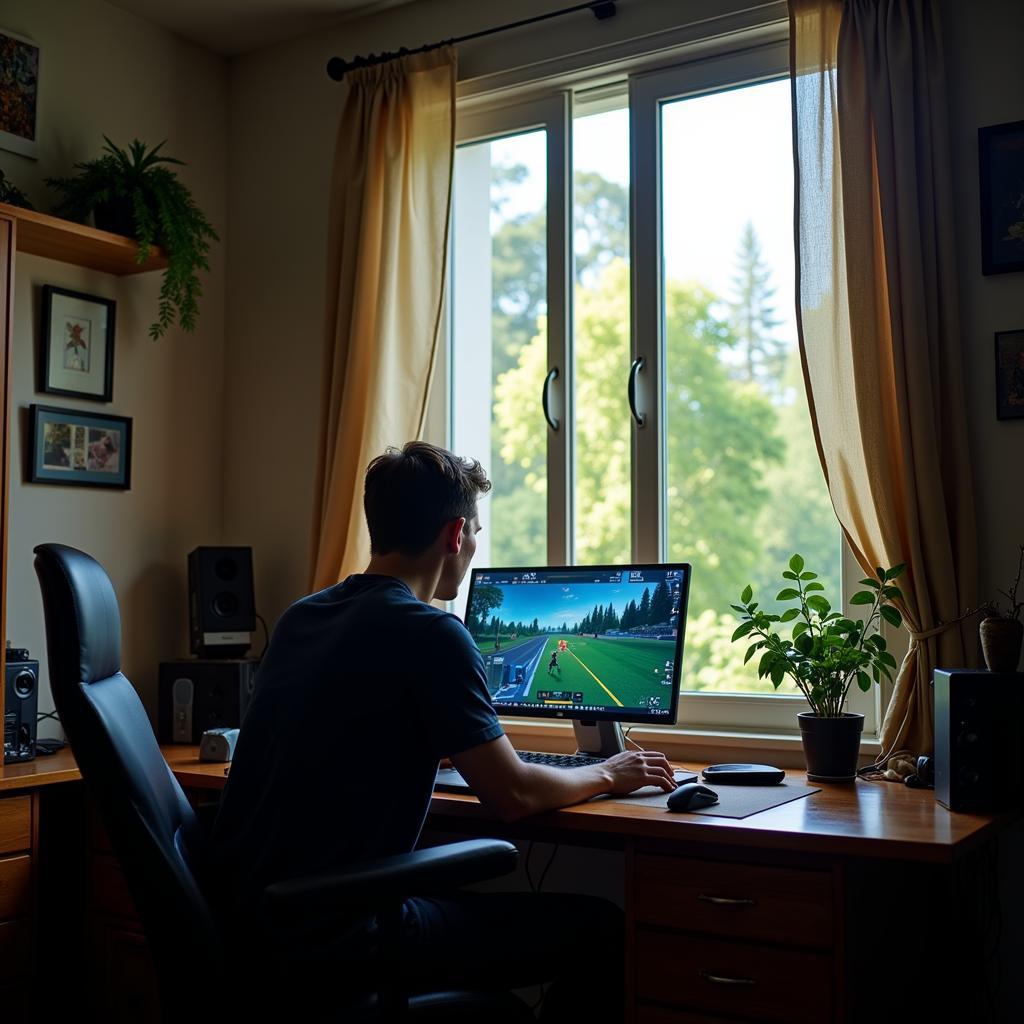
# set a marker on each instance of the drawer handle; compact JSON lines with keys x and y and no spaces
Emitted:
{"x":718,"y":979}
{"x":721,"y":901}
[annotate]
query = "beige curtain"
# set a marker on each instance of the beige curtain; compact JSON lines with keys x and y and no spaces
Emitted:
{"x":879,"y":323}
{"x":387,"y":247}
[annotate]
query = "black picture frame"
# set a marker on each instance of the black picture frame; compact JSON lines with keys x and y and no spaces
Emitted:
{"x":75,"y":448}
{"x":1010,"y":375}
{"x":76,"y":350}
{"x":1001,"y":164}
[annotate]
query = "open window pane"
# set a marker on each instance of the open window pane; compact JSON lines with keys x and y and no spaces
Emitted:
{"x":743,"y":486}
{"x":499,"y":338}
{"x":601,"y":320}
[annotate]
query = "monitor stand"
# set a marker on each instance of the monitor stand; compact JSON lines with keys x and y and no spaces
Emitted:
{"x":598,"y":739}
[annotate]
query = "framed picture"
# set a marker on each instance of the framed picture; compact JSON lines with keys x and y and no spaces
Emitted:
{"x":1001,"y":156}
{"x":83,"y":449}
{"x":19,"y":93}
{"x":1010,"y":375}
{"x":77,"y":350}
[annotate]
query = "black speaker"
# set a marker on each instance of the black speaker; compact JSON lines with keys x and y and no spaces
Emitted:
{"x":205,"y":694}
{"x":978,"y":726}
{"x":21,"y":703}
{"x":221,"y":607}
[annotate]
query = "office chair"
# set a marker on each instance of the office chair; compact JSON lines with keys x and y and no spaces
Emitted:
{"x":162,"y":846}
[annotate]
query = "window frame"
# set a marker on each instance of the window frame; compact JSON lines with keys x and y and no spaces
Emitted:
{"x":740,"y":721}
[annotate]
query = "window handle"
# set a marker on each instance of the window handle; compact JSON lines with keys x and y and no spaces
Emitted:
{"x":634,"y":372}
{"x":545,"y":397}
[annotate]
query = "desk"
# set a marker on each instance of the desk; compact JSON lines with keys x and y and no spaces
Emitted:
{"x":781,"y":911}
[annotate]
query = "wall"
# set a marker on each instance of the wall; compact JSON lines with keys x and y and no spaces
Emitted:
{"x":284,"y":113}
{"x":104,"y":71}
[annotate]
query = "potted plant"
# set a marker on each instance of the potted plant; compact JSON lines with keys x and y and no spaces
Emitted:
{"x":12,"y":195}
{"x":824,"y":655}
{"x":132,"y":192}
{"x":1003,"y":631}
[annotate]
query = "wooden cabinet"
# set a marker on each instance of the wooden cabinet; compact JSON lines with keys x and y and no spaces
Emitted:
{"x":739,"y":940}
{"x":17,"y":904}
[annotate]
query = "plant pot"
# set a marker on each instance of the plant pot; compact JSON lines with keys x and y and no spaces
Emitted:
{"x":116,"y":215}
{"x":831,"y":746}
{"x":1001,"y":642}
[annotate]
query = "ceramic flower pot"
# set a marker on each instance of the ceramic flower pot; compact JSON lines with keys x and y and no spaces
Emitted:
{"x":831,"y":746}
{"x":1001,"y":642}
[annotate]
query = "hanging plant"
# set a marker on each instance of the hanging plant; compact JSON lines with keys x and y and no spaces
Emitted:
{"x":132,"y":192}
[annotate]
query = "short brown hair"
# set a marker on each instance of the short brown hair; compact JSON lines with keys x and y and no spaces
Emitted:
{"x":410,"y":494}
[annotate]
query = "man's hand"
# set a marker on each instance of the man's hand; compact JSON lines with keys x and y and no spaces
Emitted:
{"x":634,"y":769}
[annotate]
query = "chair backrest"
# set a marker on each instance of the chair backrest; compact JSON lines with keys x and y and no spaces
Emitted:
{"x":153,"y":829}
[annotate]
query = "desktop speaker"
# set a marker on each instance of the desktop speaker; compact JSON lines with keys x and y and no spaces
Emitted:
{"x":21,"y":702}
{"x":978,"y":725}
{"x":221,"y":606}
{"x":195,"y":696}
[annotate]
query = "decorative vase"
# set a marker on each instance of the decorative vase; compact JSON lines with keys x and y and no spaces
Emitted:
{"x":116,"y":215}
{"x":1001,"y":642}
{"x":831,"y":746}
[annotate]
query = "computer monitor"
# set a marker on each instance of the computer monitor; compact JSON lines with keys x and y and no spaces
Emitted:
{"x":596,"y":644}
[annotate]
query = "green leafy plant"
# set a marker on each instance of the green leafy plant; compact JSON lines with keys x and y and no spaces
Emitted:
{"x":827,"y":651}
{"x":162,"y":212}
{"x":11,"y":194}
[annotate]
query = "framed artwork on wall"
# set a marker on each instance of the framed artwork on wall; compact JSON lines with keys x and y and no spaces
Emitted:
{"x":1010,"y":375}
{"x":1001,"y":159}
{"x":77,"y":346}
{"x":80,"y":449}
{"x":19,"y":94}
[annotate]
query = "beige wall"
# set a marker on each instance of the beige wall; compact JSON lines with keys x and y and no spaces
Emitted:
{"x":107,"y":72}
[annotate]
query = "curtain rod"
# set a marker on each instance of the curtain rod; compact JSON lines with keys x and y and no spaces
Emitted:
{"x":337,"y":66}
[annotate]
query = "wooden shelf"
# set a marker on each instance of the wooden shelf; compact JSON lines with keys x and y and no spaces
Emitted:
{"x":43,"y":235}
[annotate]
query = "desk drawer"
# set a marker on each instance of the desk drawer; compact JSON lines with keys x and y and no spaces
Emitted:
{"x":744,"y":901}
{"x":15,"y":949}
{"x":15,"y":886}
{"x":15,"y":823}
{"x":733,"y":978}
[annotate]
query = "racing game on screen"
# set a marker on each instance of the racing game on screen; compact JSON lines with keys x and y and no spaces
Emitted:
{"x":579,"y":639}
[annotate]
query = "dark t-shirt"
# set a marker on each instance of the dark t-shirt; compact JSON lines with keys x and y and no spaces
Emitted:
{"x":363,"y":688}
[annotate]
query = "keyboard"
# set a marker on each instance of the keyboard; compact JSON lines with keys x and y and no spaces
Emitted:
{"x":559,"y":760}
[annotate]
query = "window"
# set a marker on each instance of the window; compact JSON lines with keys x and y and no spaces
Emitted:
{"x":638,"y":237}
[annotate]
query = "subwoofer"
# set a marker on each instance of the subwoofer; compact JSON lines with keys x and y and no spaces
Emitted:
{"x":221,"y":605}
{"x":21,"y":703}
{"x":978,"y":726}
{"x":203,"y":694}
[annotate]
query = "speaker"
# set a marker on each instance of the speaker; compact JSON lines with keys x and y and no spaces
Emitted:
{"x":221,"y":607}
{"x":21,"y":703}
{"x":978,"y":725}
{"x":194,"y":696}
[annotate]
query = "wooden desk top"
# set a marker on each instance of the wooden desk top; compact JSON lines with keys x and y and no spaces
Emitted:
{"x":866,"y":819}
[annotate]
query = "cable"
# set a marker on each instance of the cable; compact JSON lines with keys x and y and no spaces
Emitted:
{"x":547,"y":867}
{"x":266,"y":635}
{"x":43,"y":715}
{"x":526,"y":867}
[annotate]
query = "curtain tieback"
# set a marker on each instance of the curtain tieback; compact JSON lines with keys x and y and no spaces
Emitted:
{"x":927,"y":634}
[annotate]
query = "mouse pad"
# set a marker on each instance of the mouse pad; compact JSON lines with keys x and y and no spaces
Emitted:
{"x":733,"y":801}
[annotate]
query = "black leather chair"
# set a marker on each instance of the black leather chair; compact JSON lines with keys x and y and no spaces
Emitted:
{"x":162,"y":846}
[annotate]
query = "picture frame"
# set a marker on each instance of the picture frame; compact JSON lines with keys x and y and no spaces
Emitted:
{"x":19,"y":94}
{"x":1001,"y":163}
{"x":1010,"y":375}
{"x":76,"y":448}
{"x":76,"y":353}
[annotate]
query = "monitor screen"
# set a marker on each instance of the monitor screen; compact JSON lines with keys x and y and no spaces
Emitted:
{"x":588,"y":642}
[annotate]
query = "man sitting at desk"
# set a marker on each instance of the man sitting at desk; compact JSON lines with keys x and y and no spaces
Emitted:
{"x":364,"y":688}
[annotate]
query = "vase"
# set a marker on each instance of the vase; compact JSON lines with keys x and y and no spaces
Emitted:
{"x":1001,"y":642}
{"x":116,"y":215}
{"x":831,"y":746}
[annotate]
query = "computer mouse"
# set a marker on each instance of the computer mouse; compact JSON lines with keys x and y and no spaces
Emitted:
{"x":692,"y":796}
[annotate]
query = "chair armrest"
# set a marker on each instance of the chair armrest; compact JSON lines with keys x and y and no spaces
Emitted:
{"x":375,"y":883}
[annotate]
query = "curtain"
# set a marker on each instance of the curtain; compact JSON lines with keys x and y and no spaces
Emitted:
{"x":879,"y":322}
{"x":387,"y":252}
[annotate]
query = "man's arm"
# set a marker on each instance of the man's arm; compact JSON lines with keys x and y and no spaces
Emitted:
{"x":513,"y":789}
